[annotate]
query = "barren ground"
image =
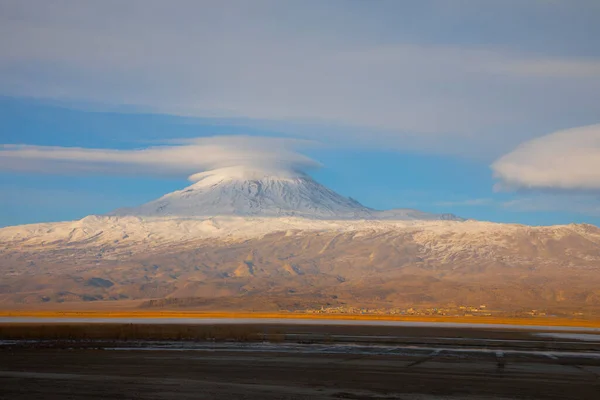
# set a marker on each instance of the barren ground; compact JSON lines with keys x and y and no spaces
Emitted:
{"x":325,"y":363}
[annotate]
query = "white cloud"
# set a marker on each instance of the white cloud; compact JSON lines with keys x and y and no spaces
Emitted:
{"x":565,"y":160}
{"x":188,"y":158}
{"x":390,"y":68}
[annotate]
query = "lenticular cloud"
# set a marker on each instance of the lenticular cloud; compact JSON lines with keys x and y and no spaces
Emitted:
{"x":185,"y":157}
{"x":564,"y":160}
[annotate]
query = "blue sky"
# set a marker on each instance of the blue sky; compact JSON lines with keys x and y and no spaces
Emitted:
{"x":465,"y":107}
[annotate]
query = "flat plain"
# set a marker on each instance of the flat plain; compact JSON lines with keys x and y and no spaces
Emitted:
{"x":295,"y":361}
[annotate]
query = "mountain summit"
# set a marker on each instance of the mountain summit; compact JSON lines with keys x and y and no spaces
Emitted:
{"x":244,"y":191}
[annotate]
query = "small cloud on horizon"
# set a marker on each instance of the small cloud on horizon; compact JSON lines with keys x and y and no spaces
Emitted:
{"x":580,"y":204}
{"x":466,"y":203}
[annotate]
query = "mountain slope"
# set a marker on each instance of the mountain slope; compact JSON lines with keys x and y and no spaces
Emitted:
{"x":258,"y":192}
{"x":244,"y":238}
{"x":250,"y":263}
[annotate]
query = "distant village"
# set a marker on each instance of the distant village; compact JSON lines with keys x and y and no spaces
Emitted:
{"x":458,"y":311}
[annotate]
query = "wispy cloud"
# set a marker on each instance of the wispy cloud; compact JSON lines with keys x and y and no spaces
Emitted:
{"x":466,"y":203}
{"x":187,"y":158}
{"x":363,"y":65}
{"x":553,"y":68}
{"x":580,"y":204}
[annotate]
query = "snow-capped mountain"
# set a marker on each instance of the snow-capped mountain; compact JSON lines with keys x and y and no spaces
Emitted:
{"x":249,"y":238}
{"x":243,"y":191}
